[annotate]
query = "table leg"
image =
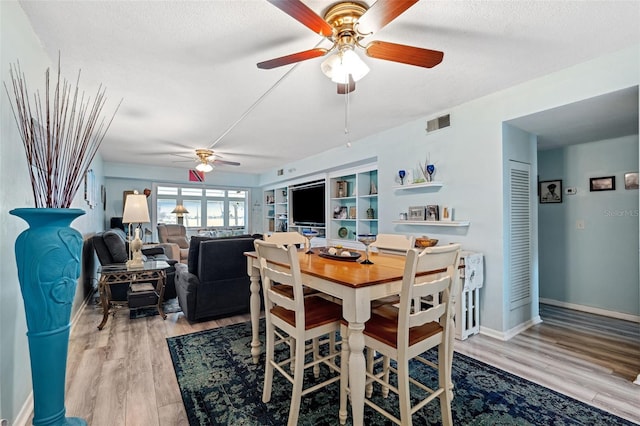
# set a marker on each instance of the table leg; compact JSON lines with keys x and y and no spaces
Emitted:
{"x":357,"y":368}
{"x":254,"y":306}
{"x":105,"y":305}
{"x":161,"y":284}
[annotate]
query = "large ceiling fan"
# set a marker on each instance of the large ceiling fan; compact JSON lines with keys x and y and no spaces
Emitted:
{"x":346,"y":24}
{"x":206,"y":159}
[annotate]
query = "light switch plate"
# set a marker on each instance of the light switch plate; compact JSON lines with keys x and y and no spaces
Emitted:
{"x":580,"y":224}
{"x":572,"y":190}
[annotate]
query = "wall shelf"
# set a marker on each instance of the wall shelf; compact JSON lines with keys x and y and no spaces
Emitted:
{"x":453,"y":223}
{"x":419,"y":185}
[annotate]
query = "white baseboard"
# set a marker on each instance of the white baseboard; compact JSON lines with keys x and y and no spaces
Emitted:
{"x":506,"y":335}
{"x":22,"y":419}
{"x":592,"y":310}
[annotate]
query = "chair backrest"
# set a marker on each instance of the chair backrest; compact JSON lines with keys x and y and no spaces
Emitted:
{"x":171,"y":233}
{"x":285,"y":238}
{"x":394,"y":242}
{"x":439,"y":288}
{"x":279,"y":264}
{"x":111,"y":246}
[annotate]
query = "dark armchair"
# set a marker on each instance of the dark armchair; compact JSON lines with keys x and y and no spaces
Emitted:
{"x":215,"y":282}
{"x":111,"y":247}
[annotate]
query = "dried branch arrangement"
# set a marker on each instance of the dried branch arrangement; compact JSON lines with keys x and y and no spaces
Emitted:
{"x":61,"y":136}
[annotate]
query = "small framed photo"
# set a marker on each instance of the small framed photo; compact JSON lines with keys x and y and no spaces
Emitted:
{"x":433,"y":212}
{"x":352,"y":212}
{"x":446,"y":213}
{"x":416,"y":213}
{"x":605,"y":183}
{"x":340,"y":212}
{"x":631,"y":180}
{"x":550,"y":191}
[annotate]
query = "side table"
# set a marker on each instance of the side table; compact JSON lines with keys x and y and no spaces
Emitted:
{"x":152,"y":271}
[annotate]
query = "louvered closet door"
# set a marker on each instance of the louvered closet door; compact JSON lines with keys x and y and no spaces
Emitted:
{"x":520,"y":256}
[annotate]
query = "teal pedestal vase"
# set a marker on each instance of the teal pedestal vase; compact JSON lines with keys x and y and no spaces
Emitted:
{"x":48,"y":259}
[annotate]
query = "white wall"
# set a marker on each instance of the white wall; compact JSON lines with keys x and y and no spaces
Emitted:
{"x":19,"y":43}
{"x":469,"y":159}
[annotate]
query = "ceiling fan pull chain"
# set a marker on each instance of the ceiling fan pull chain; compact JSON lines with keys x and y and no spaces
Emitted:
{"x":346,"y":118}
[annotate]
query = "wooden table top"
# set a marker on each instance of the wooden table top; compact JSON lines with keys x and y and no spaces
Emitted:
{"x":386,"y":268}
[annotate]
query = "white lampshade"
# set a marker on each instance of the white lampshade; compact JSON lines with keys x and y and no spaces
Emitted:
{"x":136,"y":209}
{"x":339,"y":65}
{"x":204,"y":167}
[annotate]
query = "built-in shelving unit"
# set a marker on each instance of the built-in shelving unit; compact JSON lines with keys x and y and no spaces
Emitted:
{"x":353,"y":204}
{"x":276,"y":209}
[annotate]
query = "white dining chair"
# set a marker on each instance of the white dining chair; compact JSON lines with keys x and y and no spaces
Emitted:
{"x":394,"y":243}
{"x":404,"y":333}
{"x":293,"y":321}
{"x":285,"y":238}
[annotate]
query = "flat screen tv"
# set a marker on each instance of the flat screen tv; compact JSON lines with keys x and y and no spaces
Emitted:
{"x":307,"y":204}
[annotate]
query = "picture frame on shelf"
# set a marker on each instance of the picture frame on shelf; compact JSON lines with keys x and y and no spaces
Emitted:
{"x":340,"y":212}
{"x":432,"y":213}
{"x":352,"y":212}
{"x":604,"y":183}
{"x":416,"y":213}
{"x":446,"y":214}
{"x":550,"y":191}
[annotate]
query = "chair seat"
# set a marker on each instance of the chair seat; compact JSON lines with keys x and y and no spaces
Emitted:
{"x":383,"y":326}
{"x":318,"y":312}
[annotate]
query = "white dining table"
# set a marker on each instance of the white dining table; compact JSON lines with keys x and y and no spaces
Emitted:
{"x":356,"y":284}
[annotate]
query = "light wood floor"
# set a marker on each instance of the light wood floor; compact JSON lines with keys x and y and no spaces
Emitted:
{"x":123,"y":374}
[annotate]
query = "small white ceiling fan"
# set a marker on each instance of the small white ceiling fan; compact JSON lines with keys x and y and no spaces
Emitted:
{"x":207,"y":159}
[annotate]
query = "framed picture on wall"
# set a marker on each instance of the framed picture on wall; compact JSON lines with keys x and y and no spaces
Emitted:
{"x":631,"y":180}
{"x":606,"y":183}
{"x":550,"y":191}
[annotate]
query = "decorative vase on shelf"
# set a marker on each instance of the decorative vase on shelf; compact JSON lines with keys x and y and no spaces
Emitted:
{"x":48,"y":259}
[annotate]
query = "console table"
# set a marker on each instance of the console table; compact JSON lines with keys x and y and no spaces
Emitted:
{"x":152,"y":271}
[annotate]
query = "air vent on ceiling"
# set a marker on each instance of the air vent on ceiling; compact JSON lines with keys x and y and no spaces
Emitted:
{"x":438,"y":123}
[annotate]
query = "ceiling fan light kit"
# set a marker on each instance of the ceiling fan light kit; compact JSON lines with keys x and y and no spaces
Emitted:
{"x":344,"y":62}
{"x":346,"y":24}
{"x":204,"y":167}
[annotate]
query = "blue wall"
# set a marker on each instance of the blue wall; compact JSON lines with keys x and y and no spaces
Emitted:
{"x":596,"y":266}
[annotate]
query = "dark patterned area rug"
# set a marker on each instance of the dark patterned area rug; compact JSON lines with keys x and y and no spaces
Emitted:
{"x":169,"y":306}
{"x":221,"y":386}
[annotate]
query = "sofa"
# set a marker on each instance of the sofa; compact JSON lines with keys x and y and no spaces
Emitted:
{"x":214,"y":283}
{"x":111,"y":247}
{"x":175,"y":236}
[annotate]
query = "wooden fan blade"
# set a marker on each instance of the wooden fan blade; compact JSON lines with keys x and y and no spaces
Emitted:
{"x":307,"y":17}
{"x":294,"y":57}
{"x":405,"y":54}
{"x":343,"y":88}
{"x":381,"y":13}
{"x":228,"y":163}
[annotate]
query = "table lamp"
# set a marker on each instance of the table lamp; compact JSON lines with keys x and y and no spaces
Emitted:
{"x":135,"y":211}
{"x":180,"y":211}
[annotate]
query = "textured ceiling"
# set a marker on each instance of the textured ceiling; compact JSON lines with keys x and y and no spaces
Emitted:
{"x":187,"y":69}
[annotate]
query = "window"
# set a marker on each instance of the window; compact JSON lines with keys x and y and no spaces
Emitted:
{"x":208,"y":207}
